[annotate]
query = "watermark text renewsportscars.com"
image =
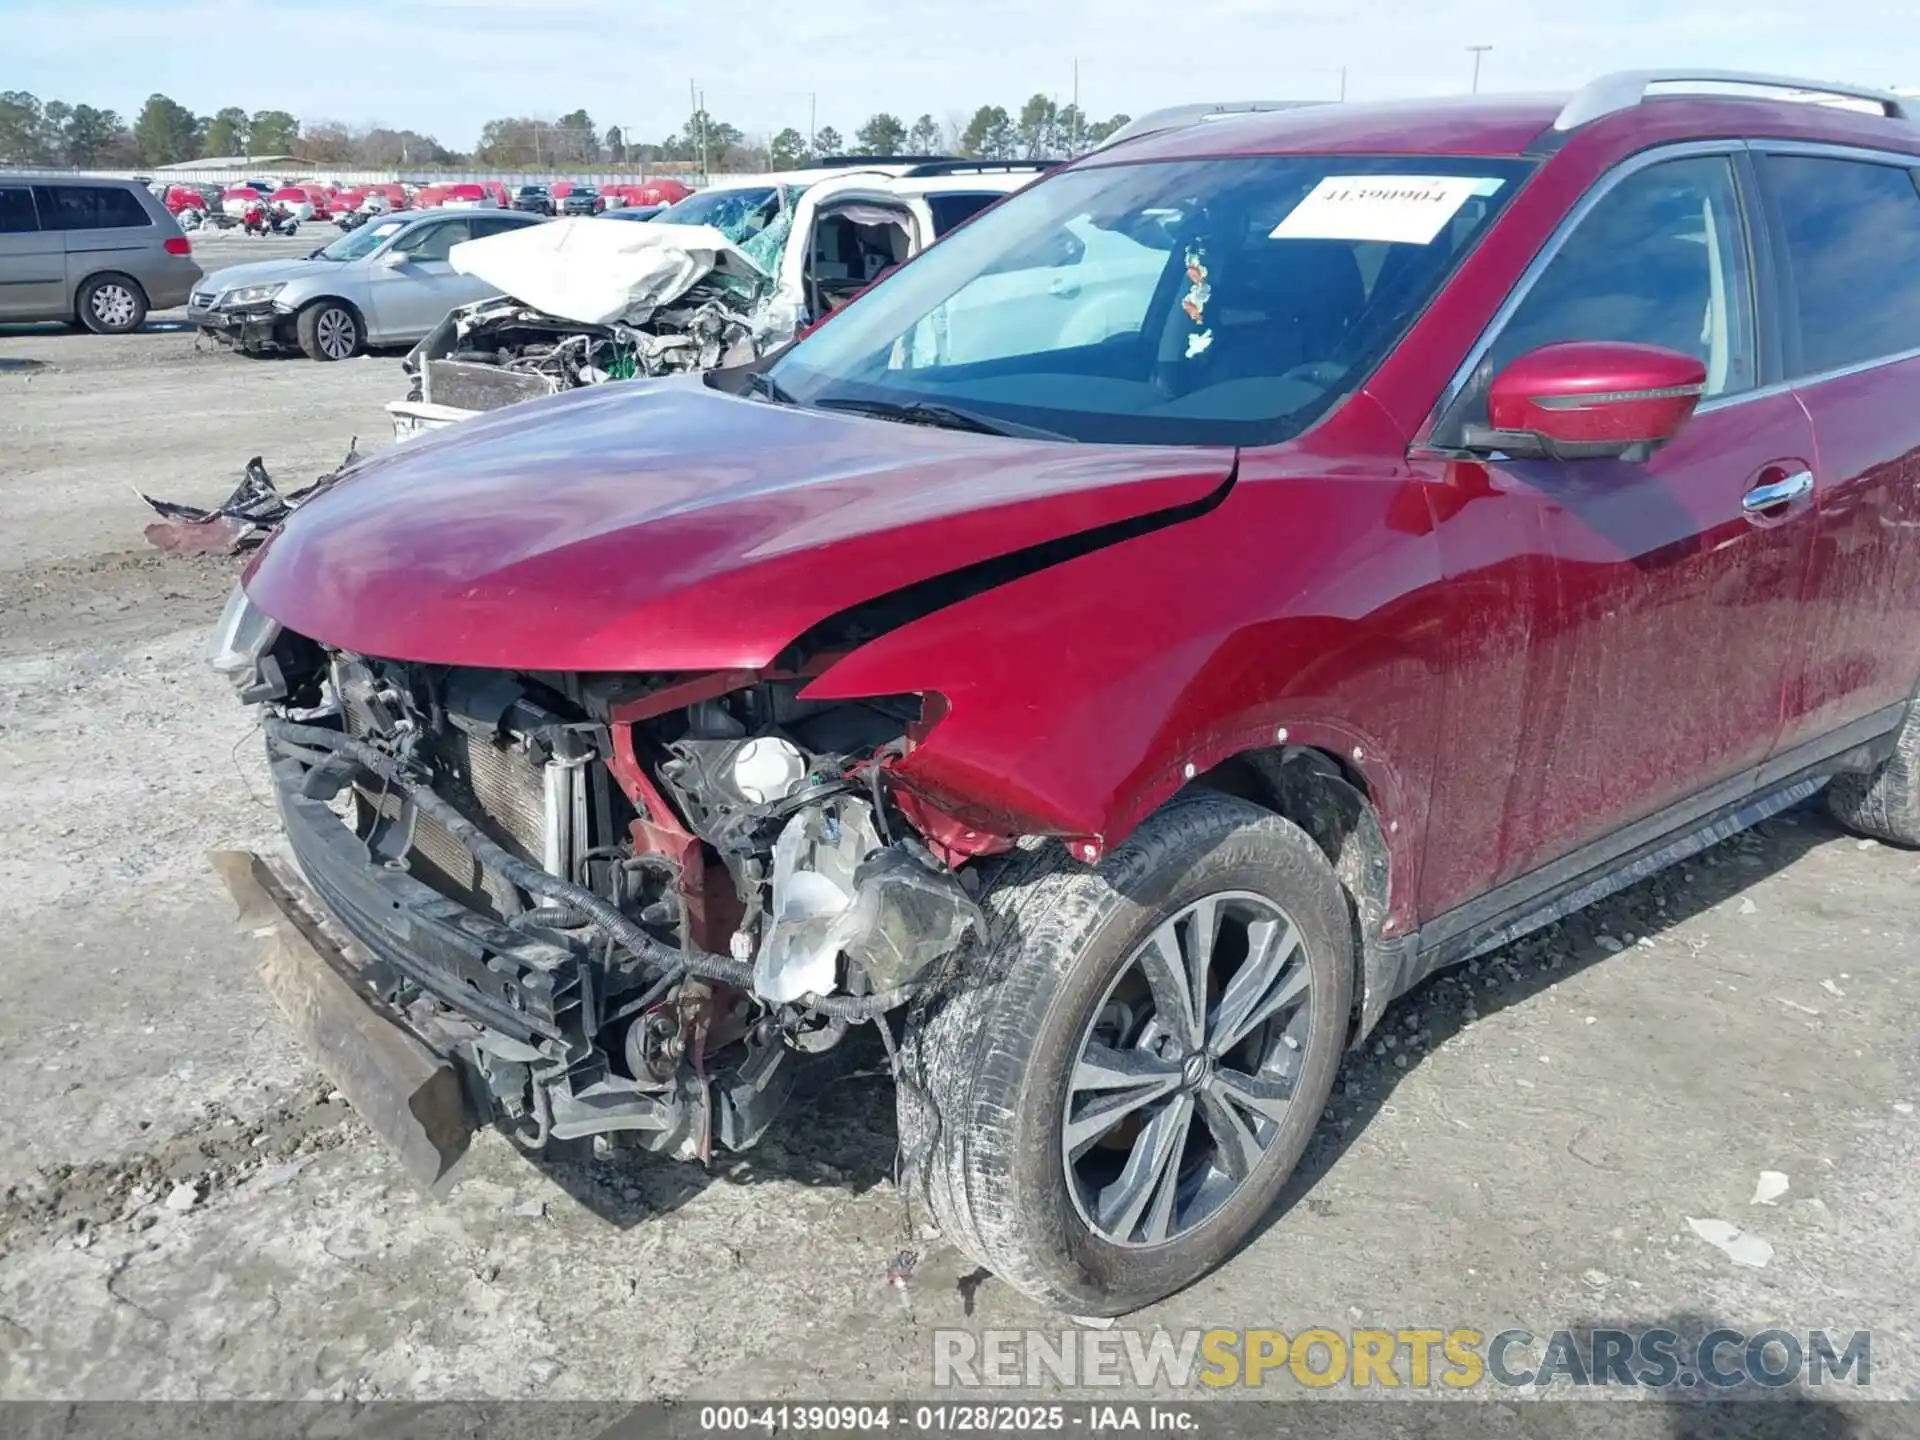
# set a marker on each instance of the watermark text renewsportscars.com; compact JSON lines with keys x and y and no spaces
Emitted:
{"x":1412,"y":1358}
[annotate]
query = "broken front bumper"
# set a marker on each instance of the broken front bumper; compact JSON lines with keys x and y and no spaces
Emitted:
{"x":409,"y":1093}
{"x":257,"y":327}
{"x":515,"y":1014}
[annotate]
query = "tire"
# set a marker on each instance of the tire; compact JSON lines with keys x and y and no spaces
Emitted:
{"x":111,"y":304}
{"x":1885,"y":803}
{"x":1004,"y":1050}
{"x":330,"y":330}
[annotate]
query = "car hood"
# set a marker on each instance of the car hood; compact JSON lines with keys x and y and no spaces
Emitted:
{"x":269,"y":272}
{"x":665,"y":526}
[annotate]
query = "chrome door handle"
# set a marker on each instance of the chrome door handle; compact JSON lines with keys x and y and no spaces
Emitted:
{"x":1780,"y":492}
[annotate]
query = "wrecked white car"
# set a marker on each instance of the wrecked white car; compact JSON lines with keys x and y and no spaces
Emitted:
{"x":719,"y":279}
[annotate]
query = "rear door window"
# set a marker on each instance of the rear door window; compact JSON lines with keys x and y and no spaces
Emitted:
{"x":16,"y":211}
{"x":91,"y":207}
{"x":1852,"y":229}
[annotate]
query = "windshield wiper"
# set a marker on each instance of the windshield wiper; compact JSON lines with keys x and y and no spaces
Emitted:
{"x":761,"y":383}
{"x":946,"y":417}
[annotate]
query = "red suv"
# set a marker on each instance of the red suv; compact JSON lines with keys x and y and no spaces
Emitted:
{"x":1269,"y":560}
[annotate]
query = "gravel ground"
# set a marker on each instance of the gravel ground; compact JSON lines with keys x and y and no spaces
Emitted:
{"x":1523,"y":1145}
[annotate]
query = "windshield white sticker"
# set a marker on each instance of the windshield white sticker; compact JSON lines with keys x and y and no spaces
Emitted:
{"x":1402,"y":209}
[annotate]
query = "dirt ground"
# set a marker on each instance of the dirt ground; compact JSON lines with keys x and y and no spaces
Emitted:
{"x":1523,"y":1145}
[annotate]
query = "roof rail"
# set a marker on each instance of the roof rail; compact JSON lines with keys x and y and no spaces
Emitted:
{"x":844,"y":162}
{"x":978,"y":167}
{"x":1176,"y":117}
{"x":1627,"y":88}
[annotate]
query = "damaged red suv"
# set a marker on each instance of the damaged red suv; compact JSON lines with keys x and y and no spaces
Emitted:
{"x":1267,"y":561}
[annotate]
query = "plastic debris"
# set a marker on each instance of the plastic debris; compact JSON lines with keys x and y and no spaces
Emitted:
{"x":900,"y":1269}
{"x":1772,"y":1185}
{"x":1733,"y":1242}
{"x":1833,"y":989}
{"x":182,"y":1198}
{"x":1747,"y":907}
{"x":275,"y":1176}
{"x":241,"y":521}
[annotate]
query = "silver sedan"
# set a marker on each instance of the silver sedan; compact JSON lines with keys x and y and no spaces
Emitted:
{"x":387,"y":283}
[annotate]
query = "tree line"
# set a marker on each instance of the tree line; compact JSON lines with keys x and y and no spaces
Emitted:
{"x":1041,"y":130}
{"x":165,"y":131}
{"x":56,"y":133}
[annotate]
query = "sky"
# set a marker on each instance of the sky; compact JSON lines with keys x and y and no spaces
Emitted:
{"x":444,"y":67}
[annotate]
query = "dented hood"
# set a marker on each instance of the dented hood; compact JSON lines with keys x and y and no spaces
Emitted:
{"x":594,"y":271}
{"x":665,"y":526}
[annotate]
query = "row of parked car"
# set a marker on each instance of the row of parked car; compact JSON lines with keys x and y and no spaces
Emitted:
{"x":812,"y":237}
{"x":104,"y":252}
{"x":316,"y":200}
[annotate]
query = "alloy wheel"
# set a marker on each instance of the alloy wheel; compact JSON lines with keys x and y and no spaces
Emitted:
{"x":113,"y":305}
{"x":1187,"y":1070}
{"x":336,"y":334}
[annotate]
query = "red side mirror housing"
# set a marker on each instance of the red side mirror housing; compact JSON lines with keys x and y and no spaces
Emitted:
{"x":1587,"y":399}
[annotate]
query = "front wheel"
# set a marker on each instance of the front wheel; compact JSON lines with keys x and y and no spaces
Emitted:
{"x":328,"y":330}
{"x":1126,"y":1078}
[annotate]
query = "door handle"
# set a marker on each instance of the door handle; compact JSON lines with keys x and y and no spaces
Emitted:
{"x":1783,"y":491}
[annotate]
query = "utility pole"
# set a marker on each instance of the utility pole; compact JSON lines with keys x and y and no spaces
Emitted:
{"x":1073,"y":140}
{"x":1343,"y":84}
{"x":813,"y":124}
{"x":700,"y":119}
{"x":1478,"y":51}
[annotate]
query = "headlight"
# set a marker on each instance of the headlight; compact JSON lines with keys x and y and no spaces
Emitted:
{"x":767,"y":768}
{"x":240,"y":646}
{"x":252,"y":294}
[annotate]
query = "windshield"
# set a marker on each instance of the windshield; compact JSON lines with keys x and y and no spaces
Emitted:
{"x":737,"y":214}
{"x":1224,"y":301}
{"x":356,"y":244}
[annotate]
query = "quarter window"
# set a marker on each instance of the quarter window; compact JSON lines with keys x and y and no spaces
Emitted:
{"x":1853,"y":241}
{"x":1660,"y":259}
{"x":952,"y":209}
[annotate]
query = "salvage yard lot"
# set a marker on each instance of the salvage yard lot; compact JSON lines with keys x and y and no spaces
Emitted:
{"x":1522,"y":1145}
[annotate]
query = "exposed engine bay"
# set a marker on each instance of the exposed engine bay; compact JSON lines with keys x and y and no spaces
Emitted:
{"x":632,"y":907}
{"x":586,"y":301}
{"x":500,"y":352}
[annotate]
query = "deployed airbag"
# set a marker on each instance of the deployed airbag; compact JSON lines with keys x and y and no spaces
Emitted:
{"x":599,"y":272}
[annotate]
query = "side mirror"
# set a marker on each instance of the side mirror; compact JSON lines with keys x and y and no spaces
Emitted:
{"x":1589,"y":399}
{"x":393,"y":259}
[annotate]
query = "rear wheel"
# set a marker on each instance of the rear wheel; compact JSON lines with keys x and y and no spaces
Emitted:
{"x":111,"y":304}
{"x":1884,"y":803}
{"x":329,"y":330}
{"x":1127,"y":1077}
